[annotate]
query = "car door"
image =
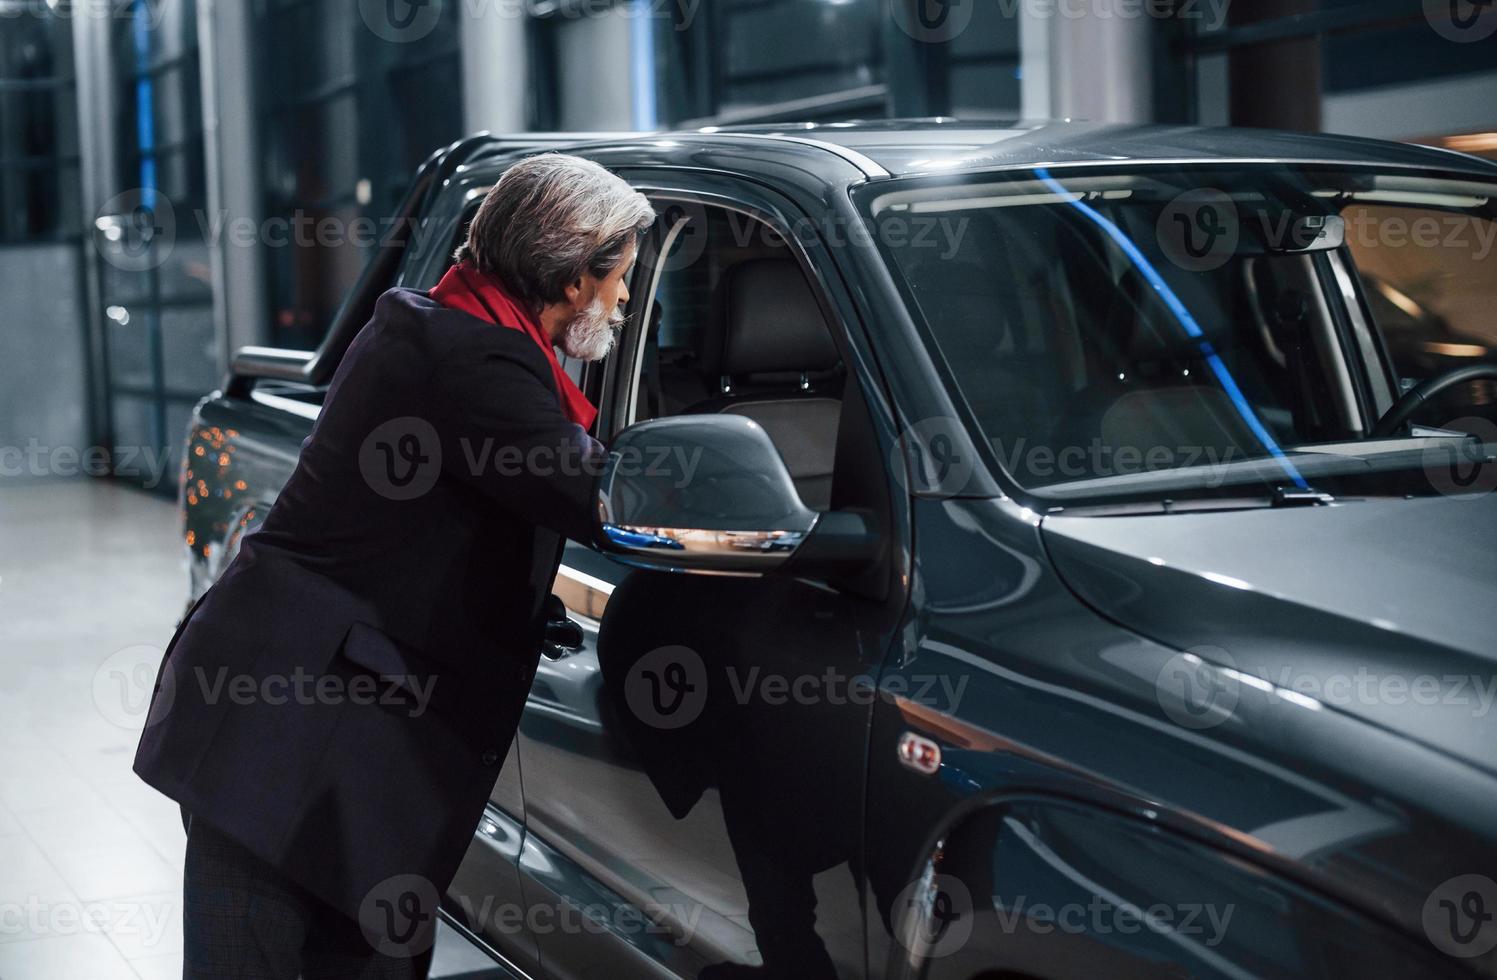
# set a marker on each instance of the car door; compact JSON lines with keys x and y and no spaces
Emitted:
{"x":694,"y":769}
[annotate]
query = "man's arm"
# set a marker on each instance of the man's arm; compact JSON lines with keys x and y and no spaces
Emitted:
{"x":503,"y":432}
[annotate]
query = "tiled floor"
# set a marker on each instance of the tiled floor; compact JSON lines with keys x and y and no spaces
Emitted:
{"x":91,"y":584}
{"x":90,"y":857}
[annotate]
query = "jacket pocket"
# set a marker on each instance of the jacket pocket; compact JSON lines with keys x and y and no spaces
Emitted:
{"x":414,"y":679}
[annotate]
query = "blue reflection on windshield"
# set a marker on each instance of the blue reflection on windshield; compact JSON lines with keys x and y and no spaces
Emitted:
{"x":1186,"y":320}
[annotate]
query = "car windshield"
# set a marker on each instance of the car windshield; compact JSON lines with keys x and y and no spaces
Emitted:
{"x":1180,"y":332}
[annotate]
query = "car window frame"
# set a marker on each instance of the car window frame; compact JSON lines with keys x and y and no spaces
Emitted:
{"x":1378,"y":381}
{"x":622,"y":371}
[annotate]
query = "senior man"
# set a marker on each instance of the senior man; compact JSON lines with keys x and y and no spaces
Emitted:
{"x":332,"y":713}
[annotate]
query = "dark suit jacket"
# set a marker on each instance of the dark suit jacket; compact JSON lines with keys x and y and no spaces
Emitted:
{"x":341,"y":699}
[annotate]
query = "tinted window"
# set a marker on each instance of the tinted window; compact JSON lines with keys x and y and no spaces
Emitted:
{"x":1184,"y":331}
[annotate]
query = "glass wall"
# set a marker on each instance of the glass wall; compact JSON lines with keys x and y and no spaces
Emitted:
{"x":43,"y":364}
{"x":1355,"y":66}
{"x":783,"y":50}
{"x":826,"y":60}
{"x":348,"y":110}
{"x":38,"y":129}
{"x":156,"y":283}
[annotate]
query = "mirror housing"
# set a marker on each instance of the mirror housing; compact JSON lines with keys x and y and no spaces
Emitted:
{"x":710,"y":494}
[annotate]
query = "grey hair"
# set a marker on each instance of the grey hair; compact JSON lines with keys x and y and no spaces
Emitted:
{"x":550,"y":218}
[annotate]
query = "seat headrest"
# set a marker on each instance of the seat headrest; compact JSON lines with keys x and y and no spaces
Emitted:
{"x":772,"y":322}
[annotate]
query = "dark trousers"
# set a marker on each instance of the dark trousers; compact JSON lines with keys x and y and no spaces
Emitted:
{"x":243,"y":919}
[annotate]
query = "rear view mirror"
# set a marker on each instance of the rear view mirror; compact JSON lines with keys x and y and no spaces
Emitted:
{"x":710,"y":493}
{"x":1285,"y":232}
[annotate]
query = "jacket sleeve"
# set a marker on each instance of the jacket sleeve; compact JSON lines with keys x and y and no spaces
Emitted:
{"x":503,"y":432}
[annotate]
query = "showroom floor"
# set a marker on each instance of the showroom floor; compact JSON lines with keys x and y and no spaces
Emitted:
{"x":91,"y":583}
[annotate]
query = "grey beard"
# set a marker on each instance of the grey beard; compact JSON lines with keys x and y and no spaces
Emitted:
{"x":588,"y":336}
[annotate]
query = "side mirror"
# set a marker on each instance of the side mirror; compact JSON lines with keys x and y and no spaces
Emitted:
{"x":710,"y":494}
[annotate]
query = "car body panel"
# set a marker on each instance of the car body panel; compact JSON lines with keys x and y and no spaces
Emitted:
{"x":1053,"y":887}
{"x":1082,"y":708}
{"x":1303,"y":598}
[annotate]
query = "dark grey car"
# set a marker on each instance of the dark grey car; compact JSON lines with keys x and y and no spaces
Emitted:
{"x":1104,"y":552}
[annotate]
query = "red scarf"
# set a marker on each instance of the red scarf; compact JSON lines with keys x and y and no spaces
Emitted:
{"x":475,"y":292}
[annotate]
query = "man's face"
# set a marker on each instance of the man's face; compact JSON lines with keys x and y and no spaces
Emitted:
{"x":598,"y":311}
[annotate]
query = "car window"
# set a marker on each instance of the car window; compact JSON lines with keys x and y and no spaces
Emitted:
{"x":737,"y":327}
{"x":1178,"y":331}
{"x":1430,"y":276}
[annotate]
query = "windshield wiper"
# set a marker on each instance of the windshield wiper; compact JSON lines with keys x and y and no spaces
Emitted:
{"x":1281,"y":497}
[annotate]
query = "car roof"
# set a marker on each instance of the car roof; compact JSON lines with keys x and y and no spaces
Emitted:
{"x":908,"y":147}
